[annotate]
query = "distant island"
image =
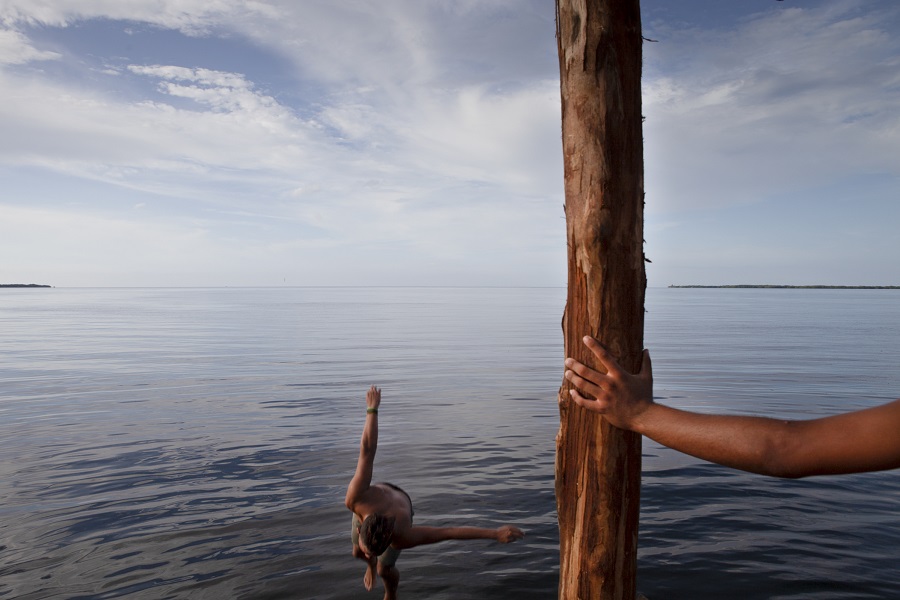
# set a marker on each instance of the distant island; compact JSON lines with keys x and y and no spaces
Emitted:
{"x":794,"y":287}
{"x":23,"y":285}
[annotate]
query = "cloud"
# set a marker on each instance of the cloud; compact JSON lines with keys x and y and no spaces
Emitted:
{"x":16,"y":49}
{"x":416,"y":130}
{"x":510,"y":139}
{"x":194,"y":17}
{"x":786,"y":101}
{"x":233,"y":132}
{"x":222,"y":92}
{"x":284,"y":185}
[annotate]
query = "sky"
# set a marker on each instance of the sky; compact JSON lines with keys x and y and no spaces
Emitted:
{"x":417,"y":142}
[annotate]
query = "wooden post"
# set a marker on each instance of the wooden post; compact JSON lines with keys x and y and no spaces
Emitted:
{"x":597,"y":465}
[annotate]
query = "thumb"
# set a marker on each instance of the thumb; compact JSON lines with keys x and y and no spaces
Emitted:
{"x":646,"y":366}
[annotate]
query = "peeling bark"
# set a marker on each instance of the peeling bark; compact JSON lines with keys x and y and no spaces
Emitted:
{"x":597,"y":465}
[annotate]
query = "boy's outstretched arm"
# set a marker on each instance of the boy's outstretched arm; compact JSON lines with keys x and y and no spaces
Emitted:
{"x":865,"y":440}
{"x":419,"y":536}
{"x":362,"y":479}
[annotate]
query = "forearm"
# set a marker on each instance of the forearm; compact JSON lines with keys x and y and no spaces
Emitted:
{"x":420,"y":536}
{"x":755,"y":444}
{"x":369,"y":442}
{"x":854,"y":442}
{"x":471,"y":533}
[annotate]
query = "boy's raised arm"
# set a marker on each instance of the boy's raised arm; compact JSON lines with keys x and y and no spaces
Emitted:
{"x":362,"y":479}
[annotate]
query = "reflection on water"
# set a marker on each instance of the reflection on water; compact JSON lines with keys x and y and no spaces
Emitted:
{"x":197,"y":443}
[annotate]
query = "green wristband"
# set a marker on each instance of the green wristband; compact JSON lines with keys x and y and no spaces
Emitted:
{"x":371,"y":411}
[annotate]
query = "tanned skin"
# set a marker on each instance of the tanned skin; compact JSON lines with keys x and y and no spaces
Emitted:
{"x":853,"y":442}
{"x":364,"y":499}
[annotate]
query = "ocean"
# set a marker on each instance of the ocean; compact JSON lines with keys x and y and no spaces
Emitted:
{"x":197,"y":443}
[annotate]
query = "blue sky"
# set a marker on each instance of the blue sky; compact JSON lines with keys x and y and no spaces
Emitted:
{"x":411,"y":142}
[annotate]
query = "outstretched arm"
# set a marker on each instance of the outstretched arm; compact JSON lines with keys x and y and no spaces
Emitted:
{"x":865,"y":440}
{"x":362,"y":479}
{"x":419,"y":536}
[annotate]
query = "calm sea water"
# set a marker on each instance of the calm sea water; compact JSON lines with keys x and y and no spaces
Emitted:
{"x":197,"y":443}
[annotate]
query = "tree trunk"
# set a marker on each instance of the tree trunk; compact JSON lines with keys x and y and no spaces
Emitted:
{"x":597,"y":465}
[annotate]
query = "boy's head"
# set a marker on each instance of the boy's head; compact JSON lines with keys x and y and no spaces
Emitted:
{"x":376,"y":533}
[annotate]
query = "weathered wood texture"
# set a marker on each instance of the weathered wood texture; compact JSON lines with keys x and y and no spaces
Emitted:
{"x":597,"y":465}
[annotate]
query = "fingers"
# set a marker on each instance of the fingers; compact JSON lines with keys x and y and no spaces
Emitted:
{"x":584,"y":377}
{"x":373,"y":397}
{"x":583,"y":384}
{"x":598,"y":405}
{"x":604,"y":387}
{"x":612,"y":367}
{"x":588,"y":379}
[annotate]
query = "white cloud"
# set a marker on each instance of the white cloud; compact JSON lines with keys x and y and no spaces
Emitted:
{"x":251,"y":159}
{"x":189,"y":16}
{"x":379,"y":60}
{"x":788,"y":100}
{"x":223,"y":92}
{"x":410,"y":132}
{"x":236,"y":132}
{"x":506,"y":138}
{"x":16,"y":49}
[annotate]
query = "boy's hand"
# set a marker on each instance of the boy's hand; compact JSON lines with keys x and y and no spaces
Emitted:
{"x":373,"y":397}
{"x":508,"y":533}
